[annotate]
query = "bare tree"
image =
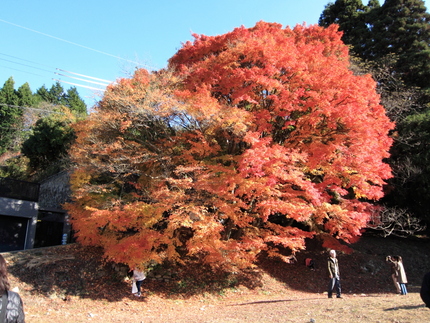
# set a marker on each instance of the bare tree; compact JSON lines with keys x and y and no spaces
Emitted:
{"x":395,"y":221}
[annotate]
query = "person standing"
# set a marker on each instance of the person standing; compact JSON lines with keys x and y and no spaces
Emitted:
{"x":11,"y":308}
{"x":425,"y":290}
{"x":138,"y":278}
{"x":334,"y":274}
{"x":401,"y":275}
{"x":393,"y":266}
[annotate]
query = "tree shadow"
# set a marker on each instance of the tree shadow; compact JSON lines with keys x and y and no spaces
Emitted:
{"x":64,"y":271}
{"x":364,"y":271}
{"x":406,"y":307}
{"x":73,"y":270}
{"x":197,"y":279}
{"x":276,"y":301}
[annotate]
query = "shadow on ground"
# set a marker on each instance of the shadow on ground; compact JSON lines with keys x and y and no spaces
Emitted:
{"x":73,"y":270}
{"x":364,"y":271}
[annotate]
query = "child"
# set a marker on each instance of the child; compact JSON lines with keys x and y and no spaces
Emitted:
{"x":138,"y":278}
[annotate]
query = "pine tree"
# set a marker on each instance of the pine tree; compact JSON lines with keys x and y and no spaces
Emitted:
{"x":25,"y":96}
{"x":399,"y":27}
{"x":74,"y":102}
{"x":42,"y":94}
{"x":10,"y":116}
{"x":403,"y":28}
{"x":350,"y":15}
{"x":57,"y":95}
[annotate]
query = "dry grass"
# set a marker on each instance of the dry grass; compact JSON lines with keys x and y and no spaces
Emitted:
{"x":71,"y":284}
{"x":235,"y":306}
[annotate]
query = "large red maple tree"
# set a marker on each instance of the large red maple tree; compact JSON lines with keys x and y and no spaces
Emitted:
{"x":249,"y":141}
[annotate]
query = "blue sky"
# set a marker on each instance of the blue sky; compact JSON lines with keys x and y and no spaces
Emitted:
{"x":107,"y":39}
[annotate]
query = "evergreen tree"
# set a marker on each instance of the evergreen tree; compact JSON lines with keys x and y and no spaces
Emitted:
{"x":10,"y":116}
{"x":403,"y":28}
{"x":8,"y":94}
{"x":42,"y":94}
{"x":74,"y":101}
{"x":412,"y":166}
{"x":351,"y":18}
{"x":398,"y":27}
{"x":57,"y":95}
{"x":25,"y":96}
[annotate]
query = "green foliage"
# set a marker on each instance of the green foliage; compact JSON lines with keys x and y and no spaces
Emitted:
{"x":56,"y":95}
{"x":46,"y":146}
{"x":8,"y":94}
{"x":74,"y":102}
{"x":25,"y":96}
{"x":350,"y":16}
{"x":10,"y":116}
{"x":51,"y":138}
{"x":411,"y":161}
{"x":398,"y":27}
{"x":16,"y":167}
{"x":42,"y":94}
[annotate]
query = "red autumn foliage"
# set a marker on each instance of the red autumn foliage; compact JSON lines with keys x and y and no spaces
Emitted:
{"x":250,"y":141}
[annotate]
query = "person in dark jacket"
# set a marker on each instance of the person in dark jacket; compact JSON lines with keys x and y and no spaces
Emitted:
{"x":334,"y":274}
{"x":14,"y":307}
{"x":425,"y":290}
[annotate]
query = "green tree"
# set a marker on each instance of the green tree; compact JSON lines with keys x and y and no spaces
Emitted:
{"x":25,"y":96}
{"x":55,"y":95}
{"x":74,"y":102}
{"x":411,"y":166}
{"x":8,"y":94}
{"x":42,"y":94}
{"x":399,"y":27}
{"x":402,"y":27}
{"x":15,"y":167}
{"x":405,"y":203}
{"x":350,"y":15}
{"x":51,"y":138}
{"x":10,"y":116}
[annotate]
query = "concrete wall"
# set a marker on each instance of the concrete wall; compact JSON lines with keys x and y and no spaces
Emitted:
{"x":22,"y":209}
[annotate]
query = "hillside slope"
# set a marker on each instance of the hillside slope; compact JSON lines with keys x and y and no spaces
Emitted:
{"x":71,"y":278}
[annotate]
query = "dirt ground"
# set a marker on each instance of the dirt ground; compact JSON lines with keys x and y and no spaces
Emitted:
{"x":72,"y":284}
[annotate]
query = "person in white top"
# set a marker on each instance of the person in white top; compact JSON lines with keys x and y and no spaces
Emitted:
{"x":138,"y":278}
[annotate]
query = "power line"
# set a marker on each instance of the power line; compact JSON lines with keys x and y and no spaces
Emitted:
{"x":21,"y":71}
{"x":88,"y":79}
{"x":67,"y":41}
{"x":81,"y":79}
{"x":37,"y":68}
{"x":22,"y":59}
{"x":76,"y":84}
{"x":94,"y":78}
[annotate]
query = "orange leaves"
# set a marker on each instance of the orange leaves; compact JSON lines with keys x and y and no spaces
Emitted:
{"x":245,"y":136}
